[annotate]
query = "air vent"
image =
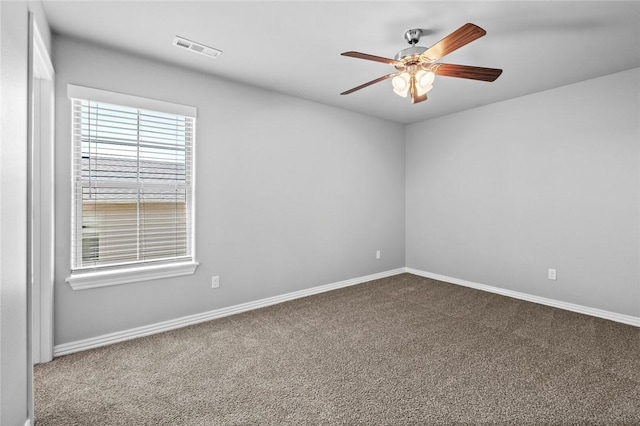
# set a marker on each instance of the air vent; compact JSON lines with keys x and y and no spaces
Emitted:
{"x":196,"y":47}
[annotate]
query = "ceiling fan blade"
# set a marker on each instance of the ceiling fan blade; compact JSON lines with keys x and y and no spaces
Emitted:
{"x":460,"y":37}
{"x":466,"y":71}
{"x":371,"y":58}
{"x":362,"y":86}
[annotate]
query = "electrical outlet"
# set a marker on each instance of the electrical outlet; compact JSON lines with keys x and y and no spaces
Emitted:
{"x":215,"y":281}
{"x":552,"y":274}
{"x":378,"y":254}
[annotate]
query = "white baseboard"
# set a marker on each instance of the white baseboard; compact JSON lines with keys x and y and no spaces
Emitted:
{"x":120,"y":336}
{"x":613,"y":316}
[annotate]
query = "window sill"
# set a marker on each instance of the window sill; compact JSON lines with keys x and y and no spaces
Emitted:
{"x":85,"y":280}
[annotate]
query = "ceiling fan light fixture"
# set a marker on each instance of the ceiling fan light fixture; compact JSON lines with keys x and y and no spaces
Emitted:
{"x":425,"y":78}
{"x":423,"y":90}
{"x":424,"y":81}
{"x":400,"y":84}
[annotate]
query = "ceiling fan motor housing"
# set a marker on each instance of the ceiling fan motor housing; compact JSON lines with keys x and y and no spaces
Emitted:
{"x":410,"y":51}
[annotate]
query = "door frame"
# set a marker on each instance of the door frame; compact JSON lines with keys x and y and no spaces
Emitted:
{"x":41,"y":196}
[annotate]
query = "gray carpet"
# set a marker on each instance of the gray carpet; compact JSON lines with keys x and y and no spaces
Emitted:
{"x":397,"y":351}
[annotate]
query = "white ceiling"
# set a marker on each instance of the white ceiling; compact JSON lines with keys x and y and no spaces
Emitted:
{"x":294,"y":47}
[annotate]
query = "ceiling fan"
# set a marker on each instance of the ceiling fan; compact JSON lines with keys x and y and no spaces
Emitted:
{"x":416,"y":65}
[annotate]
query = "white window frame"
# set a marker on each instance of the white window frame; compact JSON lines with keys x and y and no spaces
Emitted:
{"x":124,"y":274}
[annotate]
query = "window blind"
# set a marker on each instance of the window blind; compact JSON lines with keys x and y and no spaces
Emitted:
{"x":133,"y":186}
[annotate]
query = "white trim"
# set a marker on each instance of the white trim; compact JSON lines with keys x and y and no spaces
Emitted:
{"x":89,"y":93}
{"x":120,"y":336}
{"x":613,"y":316}
{"x":43,"y":237}
{"x":27,"y":422}
{"x":191,"y":236}
{"x":42,"y":66}
{"x":85,"y":280}
{"x":47,"y":217}
{"x":40,"y":203}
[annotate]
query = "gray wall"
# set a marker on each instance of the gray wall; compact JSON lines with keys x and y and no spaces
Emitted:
{"x":498,"y":194}
{"x":291,"y":194}
{"x":15,"y":373}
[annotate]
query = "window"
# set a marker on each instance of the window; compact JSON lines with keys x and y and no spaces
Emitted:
{"x":132,"y":188}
